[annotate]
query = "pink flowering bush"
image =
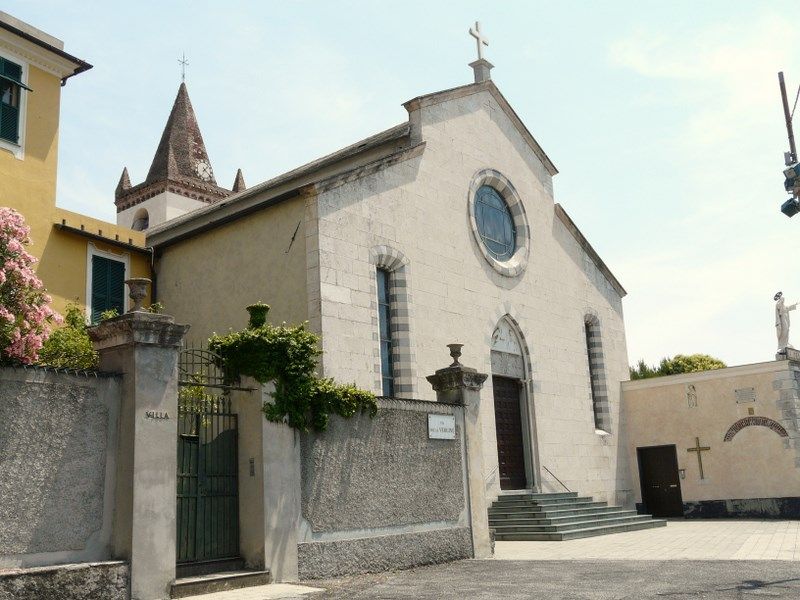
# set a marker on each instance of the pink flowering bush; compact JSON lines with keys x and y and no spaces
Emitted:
{"x":25,"y":314}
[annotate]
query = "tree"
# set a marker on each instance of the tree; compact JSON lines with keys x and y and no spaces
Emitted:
{"x":680,"y":363}
{"x":25,"y":314}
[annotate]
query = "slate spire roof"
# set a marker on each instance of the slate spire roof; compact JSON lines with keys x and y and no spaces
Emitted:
{"x":180,"y":165}
{"x":181,"y":151}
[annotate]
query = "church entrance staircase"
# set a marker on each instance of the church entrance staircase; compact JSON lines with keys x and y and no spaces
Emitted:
{"x":528,"y":516}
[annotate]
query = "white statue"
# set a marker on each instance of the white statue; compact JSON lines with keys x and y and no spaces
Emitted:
{"x":782,"y":321}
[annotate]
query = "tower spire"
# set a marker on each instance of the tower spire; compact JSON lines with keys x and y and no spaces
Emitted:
{"x":238,"y":183}
{"x":181,"y":152}
{"x":124,"y":182}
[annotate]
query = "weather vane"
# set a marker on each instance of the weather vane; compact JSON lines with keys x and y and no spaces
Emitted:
{"x":183,"y":62}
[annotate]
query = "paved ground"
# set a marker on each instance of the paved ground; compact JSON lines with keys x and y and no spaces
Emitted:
{"x":273,"y":591}
{"x":708,"y":560}
{"x":576,"y":580}
{"x":680,"y":539}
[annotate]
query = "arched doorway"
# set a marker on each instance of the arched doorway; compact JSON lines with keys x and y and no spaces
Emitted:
{"x":511,"y":411}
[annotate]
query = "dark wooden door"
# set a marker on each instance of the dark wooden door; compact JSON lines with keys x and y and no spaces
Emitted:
{"x":661,"y":486}
{"x":508,"y":421}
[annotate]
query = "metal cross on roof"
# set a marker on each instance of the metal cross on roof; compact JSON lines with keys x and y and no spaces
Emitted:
{"x":182,"y":61}
{"x":479,"y":39}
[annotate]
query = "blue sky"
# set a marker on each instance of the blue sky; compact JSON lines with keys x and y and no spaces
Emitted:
{"x":663,"y":119}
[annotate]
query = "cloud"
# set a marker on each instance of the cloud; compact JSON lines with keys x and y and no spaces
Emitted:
{"x":704,"y":281}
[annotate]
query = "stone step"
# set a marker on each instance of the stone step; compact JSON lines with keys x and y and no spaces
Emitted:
{"x":580,"y":533}
{"x":505,"y":501}
{"x":209,"y":567}
{"x":537,"y":513}
{"x":558,"y":527}
{"x":536,"y":496}
{"x":515,"y":519}
{"x":532,"y":505}
{"x":217,"y":582}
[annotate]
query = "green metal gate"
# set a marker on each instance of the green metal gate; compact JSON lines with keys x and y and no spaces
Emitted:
{"x":208,"y":490}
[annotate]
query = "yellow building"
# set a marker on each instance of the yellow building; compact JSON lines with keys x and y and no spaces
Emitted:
{"x":81,"y":259}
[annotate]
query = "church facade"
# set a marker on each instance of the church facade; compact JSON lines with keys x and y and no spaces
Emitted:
{"x":440,"y":230}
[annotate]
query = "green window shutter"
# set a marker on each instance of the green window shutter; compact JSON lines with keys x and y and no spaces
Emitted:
{"x":9,"y":122}
{"x":11,"y":70}
{"x":10,"y":80}
{"x":108,"y":286}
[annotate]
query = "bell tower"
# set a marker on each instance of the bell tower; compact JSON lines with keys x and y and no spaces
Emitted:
{"x":180,"y":178}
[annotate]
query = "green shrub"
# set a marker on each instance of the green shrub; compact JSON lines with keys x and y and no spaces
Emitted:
{"x":680,"y":363}
{"x":287,"y":356}
{"x":69,"y":346}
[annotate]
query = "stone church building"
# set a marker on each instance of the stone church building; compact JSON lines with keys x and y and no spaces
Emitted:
{"x":441,"y":229}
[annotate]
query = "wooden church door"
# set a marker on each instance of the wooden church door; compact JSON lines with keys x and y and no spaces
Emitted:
{"x":508,"y":423}
{"x":661,"y":485}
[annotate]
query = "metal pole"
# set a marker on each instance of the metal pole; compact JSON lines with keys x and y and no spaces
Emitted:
{"x":792,"y":149}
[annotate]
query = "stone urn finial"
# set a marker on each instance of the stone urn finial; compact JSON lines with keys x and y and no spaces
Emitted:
{"x":137,"y":290}
{"x":258,"y":314}
{"x":455,"y":353}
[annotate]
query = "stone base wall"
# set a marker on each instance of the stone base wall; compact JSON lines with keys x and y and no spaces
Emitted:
{"x":752,"y":508}
{"x":319,"y":560}
{"x":87,"y":581}
{"x":378,"y":494}
{"x":58,"y":440}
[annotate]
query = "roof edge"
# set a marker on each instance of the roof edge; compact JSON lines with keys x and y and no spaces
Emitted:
{"x":491,"y":87}
{"x":587,"y":247}
{"x":388,"y":135}
{"x":206,"y":219}
{"x":101,"y":238}
{"x":80,"y":64}
{"x":769,"y":366}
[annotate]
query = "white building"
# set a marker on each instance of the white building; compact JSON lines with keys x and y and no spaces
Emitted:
{"x":442,"y":229}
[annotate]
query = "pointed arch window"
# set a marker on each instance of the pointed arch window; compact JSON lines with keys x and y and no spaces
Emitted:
{"x":395,"y":365}
{"x":385,"y":332}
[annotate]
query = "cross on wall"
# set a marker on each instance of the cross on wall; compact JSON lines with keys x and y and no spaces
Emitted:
{"x":699,"y":449}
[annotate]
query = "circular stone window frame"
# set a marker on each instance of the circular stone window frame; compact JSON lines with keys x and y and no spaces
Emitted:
{"x":518,"y":262}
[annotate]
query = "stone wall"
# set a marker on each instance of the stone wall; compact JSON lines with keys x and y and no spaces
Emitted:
{"x":378,"y":494}
{"x":58,"y":438}
{"x":88,"y":581}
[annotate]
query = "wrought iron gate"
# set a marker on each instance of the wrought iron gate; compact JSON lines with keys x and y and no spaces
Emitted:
{"x":208,"y":489}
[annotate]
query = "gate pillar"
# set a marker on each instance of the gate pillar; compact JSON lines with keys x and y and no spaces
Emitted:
{"x":462,"y":385}
{"x":144,"y":347}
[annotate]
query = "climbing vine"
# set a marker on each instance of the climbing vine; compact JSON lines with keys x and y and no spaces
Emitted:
{"x":286,"y":355}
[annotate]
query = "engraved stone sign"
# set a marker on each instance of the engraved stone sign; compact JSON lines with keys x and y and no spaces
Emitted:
{"x":744,"y":395}
{"x":441,"y":427}
{"x":154,"y":414}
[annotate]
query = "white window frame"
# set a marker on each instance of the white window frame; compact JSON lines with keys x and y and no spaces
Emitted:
{"x":18,"y":149}
{"x":123,"y":257}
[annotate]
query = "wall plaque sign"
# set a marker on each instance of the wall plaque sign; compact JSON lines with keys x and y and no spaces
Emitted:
{"x":154,"y":414}
{"x":441,"y":427}
{"x":747,"y":394}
